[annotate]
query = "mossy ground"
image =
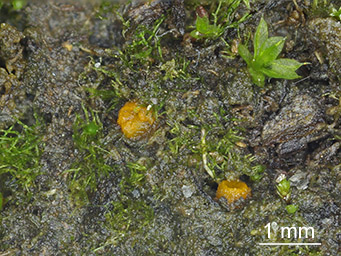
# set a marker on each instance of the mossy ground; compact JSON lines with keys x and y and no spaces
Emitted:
{"x":73,"y":184}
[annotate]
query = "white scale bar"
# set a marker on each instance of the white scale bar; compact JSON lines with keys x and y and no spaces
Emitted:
{"x":289,"y":243}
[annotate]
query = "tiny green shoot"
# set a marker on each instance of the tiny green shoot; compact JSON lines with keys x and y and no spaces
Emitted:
{"x":18,"y":4}
{"x":257,"y":172}
{"x":291,"y":208}
{"x":264,"y":61}
{"x":203,"y":28}
{"x":284,"y":189}
{"x":144,"y":43}
{"x":336,"y":13}
{"x":223,"y":18}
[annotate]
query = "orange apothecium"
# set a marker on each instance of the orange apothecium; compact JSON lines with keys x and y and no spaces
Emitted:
{"x":135,"y":120}
{"x":232,"y":190}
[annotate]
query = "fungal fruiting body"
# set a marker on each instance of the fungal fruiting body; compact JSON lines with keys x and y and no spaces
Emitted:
{"x":135,"y":120}
{"x":232,"y":190}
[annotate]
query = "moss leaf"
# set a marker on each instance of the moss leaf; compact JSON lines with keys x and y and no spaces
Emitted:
{"x":282,"y":68}
{"x":261,"y":36}
{"x":258,"y":78}
{"x":245,"y":54}
{"x":270,"y":50}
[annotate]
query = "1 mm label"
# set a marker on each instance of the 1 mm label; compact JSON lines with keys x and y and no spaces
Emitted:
{"x":273,"y":230}
{"x":292,"y":232}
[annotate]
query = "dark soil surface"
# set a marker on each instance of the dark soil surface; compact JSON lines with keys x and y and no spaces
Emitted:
{"x":67,"y":68}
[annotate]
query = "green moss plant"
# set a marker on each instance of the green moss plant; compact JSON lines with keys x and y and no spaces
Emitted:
{"x":335,"y":13}
{"x":20,"y":152}
{"x":265,"y":61}
{"x":128,"y":214}
{"x":284,"y":189}
{"x":90,"y":165}
{"x":291,"y":208}
{"x":223,"y":18}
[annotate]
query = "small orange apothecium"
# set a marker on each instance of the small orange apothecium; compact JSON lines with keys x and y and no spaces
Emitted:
{"x":135,"y":120}
{"x":233,"y":190}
